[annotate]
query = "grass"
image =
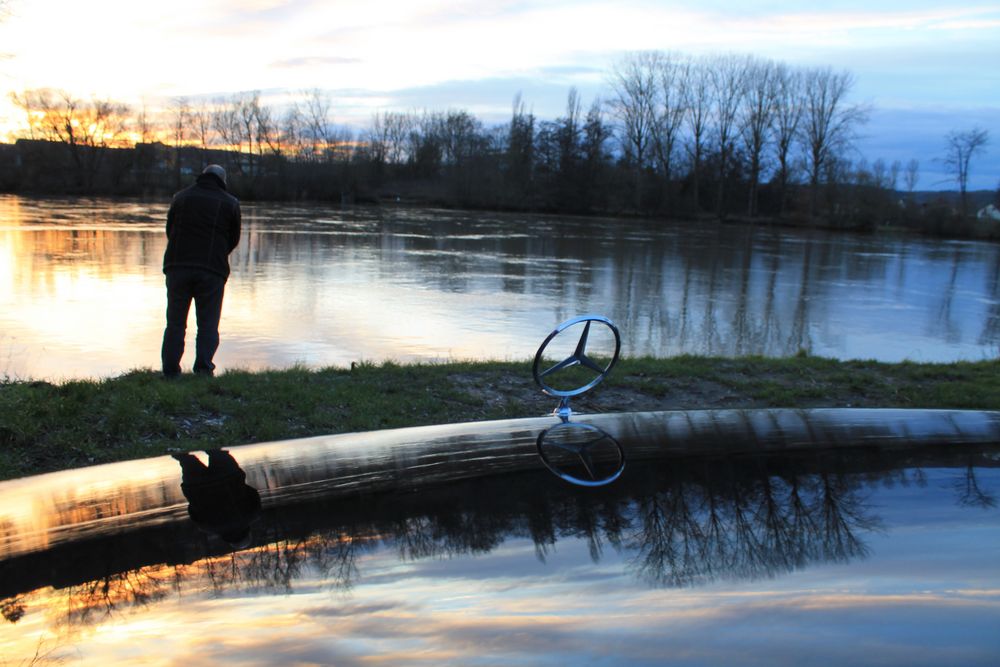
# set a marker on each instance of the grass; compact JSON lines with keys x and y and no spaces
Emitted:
{"x":45,"y":427}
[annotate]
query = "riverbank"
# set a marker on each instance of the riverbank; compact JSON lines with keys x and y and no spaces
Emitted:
{"x":46,"y":427}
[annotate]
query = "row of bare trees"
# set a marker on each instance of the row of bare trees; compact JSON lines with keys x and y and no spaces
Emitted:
{"x":677,"y":136}
{"x":745,"y":115}
{"x":81,"y":126}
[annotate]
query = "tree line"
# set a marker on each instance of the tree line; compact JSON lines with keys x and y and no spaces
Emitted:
{"x":720,"y":136}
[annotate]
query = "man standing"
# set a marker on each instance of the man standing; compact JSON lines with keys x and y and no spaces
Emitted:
{"x":203,"y":227}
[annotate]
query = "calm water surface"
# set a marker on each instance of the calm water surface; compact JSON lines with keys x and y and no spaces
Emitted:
{"x":81,"y":290}
{"x":452,"y":545}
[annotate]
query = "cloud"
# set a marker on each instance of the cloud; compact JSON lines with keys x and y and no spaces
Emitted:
{"x":542,"y":626}
{"x":476,"y":56}
{"x":353,"y":609}
{"x":314,"y":62}
{"x":491,"y":99}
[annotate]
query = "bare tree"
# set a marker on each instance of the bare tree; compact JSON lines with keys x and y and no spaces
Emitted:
{"x":293,"y":131}
{"x":881,"y":176}
{"x":323,"y":141}
{"x":269,"y":131}
{"x":180,"y":112}
{"x":234,"y":126}
{"x":668,"y":115}
{"x":698,"y":103}
{"x":398,"y":126}
{"x":728,"y":81}
{"x":787,"y":119}
{"x":251,"y":130}
{"x":246,"y":105}
{"x":201,"y":125}
{"x":594,"y":137}
{"x":460,"y":133}
{"x":225,"y":123}
{"x":633,"y":87}
{"x":911,"y":175}
{"x":375,"y":141}
{"x":757,"y":121}
{"x":387,"y":137}
{"x":568,"y":135}
{"x":558,"y":155}
{"x":144,"y":125}
{"x":829,"y":122}
{"x":180,"y":115}
{"x":424,"y":145}
{"x":520,"y":147}
{"x":144,"y":152}
{"x":961,"y":148}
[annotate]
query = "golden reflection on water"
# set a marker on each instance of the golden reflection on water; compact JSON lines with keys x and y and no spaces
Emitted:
{"x":88,"y":301}
{"x":83,"y":292}
{"x":74,"y":300}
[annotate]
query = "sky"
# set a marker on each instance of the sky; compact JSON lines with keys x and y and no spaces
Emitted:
{"x":925,"y":68}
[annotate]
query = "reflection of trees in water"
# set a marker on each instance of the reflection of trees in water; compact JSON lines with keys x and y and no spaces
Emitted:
{"x":724,"y":292}
{"x":93,"y":601}
{"x":990,"y":335}
{"x":970,"y":494}
{"x":272,"y":566}
{"x":799,"y":338}
{"x":944,"y":323}
{"x":276,"y":565}
{"x":676,"y":524}
{"x":758,"y":528}
{"x":674,"y":288}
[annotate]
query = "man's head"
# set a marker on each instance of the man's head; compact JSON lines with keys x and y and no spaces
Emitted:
{"x":217,"y":171}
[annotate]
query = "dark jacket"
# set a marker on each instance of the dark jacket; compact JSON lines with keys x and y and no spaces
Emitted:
{"x":203,"y":227}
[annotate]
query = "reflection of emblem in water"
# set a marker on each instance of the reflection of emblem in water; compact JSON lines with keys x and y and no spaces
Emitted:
{"x":578,"y":357}
{"x":582,"y":454}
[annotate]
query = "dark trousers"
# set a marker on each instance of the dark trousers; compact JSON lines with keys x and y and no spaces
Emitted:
{"x":205,"y":289}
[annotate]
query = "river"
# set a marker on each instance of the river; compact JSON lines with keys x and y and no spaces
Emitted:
{"x":82,"y":295}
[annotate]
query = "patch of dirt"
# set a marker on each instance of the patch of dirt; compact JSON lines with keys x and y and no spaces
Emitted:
{"x":627,"y":399}
{"x":508,"y":388}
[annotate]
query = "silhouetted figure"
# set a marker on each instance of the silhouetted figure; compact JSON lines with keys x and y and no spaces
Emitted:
{"x":203,"y":227}
{"x":219,"y":500}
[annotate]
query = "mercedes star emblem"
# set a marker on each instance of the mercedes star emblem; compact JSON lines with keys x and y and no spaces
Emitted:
{"x":544,"y":377}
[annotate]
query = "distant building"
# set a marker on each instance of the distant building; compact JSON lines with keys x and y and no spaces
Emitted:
{"x":989,"y":212}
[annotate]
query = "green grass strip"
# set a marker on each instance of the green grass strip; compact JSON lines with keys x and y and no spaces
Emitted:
{"x":45,"y":427}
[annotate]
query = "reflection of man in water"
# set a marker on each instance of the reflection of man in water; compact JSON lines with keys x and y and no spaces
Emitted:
{"x":219,"y":500}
